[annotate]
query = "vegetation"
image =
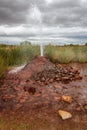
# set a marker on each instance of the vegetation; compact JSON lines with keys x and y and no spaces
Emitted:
{"x":16,"y":55}
{"x":12,"y":55}
{"x":67,"y":53}
{"x":2,"y":66}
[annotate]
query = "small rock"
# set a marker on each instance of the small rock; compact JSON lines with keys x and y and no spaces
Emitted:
{"x":39,"y":82}
{"x":67,"y":99}
{"x":42,"y":79}
{"x":18,"y":106}
{"x":16,"y":88}
{"x":56,"y":76}
{"x":37,"y":95}
{"x":85,"y":107}
{"x":65,"y":78}
{"x":6,"y":98}
{"x":22,"y":100}
{"x":51,"y":80}
{"x":64,"y":114}
{"x":78,"y":108}
{"x":58,"y":79}
{"x":57,"y":86}
{"x":56,"y":98}
{"x":78,"y":77}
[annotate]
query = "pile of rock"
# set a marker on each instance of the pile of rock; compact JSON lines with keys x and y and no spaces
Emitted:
{"x":56,"y":74}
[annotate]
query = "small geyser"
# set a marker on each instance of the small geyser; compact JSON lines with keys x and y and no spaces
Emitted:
{"x":41,"y":49}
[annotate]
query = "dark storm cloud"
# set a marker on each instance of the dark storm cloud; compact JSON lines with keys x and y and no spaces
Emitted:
{"x":50,"y":18}
{"x":58,"y":13}
{"x":12,"y":12}
{"x":68,"y":13}
{"x":15,"y":11}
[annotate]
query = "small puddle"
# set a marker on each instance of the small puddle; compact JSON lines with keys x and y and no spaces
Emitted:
{"x":79,"y":87}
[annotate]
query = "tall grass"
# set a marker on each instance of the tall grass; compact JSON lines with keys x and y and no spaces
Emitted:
{"x":28,"y":52}
{"x":20,"y":54}
{"x":16,"y":55}
{"x":2,"y":66}
{"x":67,"y":54}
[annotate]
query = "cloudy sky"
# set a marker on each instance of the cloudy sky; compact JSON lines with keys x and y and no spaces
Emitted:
{"x":58,"y":21}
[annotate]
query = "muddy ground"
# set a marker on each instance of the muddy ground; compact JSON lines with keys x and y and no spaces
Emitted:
{"x":35,"y":94}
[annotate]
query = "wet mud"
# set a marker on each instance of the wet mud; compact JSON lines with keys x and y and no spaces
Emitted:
{"x":27,"y":95}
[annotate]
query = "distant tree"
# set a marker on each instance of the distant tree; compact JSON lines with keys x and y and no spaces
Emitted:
{"x":25,"y":43}
{"x":2,"y":45}
{"x":71,"y":44}
{"x":65,"y":44}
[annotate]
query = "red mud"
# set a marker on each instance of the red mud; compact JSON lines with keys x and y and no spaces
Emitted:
{"x":22,"y":96}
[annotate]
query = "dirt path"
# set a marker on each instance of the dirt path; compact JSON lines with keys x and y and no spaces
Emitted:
{"x":23,"y":98}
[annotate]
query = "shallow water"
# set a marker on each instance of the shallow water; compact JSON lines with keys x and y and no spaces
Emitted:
{"x":79,"y":87}
{"x":16,"y":69}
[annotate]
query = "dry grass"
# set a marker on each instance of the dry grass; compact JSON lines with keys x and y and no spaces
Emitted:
{"x":67,"y":54}
{"x":17,"y":55}
{"x":2,"y":66}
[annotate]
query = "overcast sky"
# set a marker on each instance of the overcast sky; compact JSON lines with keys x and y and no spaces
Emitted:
{"x":58,"y":21}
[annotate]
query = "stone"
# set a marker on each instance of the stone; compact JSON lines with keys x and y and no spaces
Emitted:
{"x":67,"y":99}
{"x":42,"y":79}
{"x":64,"y":114}
{"x":65,"y":78}
{"x":56,"y":76}
{"x":51,"y":80}
{"x":57,"y":73}
{"x":6,"y":98}
{"x":78,"y":108}
{"x":16,"y":88}
{"x":58,"y":79}
{"x":56,"y":98}
{"x":85,"y":107}
{"x":22,"y":100}
{"x":78,"y":77}
{"x":57,"y":86}
{"x":18,"y":106}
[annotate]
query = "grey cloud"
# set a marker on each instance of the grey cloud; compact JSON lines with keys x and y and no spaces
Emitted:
{"x":59,"y":13}
{"x":65,"y":13}
{"x":24,"y":35}
{"x":65,"y":3}
{"x":14,"y":12}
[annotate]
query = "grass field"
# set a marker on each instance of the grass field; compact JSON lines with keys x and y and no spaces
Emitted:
{"x":16,"y":55}
{"x":20,"y":54}
{"x":67,"y":54}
